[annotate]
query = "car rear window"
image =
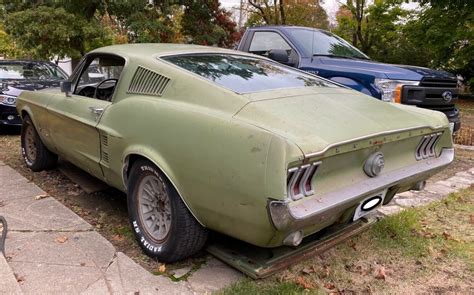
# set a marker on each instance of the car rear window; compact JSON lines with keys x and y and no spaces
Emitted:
{"x":244,"y":74}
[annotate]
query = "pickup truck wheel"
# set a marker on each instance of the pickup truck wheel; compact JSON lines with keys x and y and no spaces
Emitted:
{"x":161,"y":222}
{"x":36,"y":155}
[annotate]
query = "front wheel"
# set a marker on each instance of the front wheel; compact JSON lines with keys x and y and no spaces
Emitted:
{"x":36,"y":155}
{"x":162,"y":224}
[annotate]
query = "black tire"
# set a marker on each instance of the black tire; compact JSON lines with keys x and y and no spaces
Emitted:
{"x":36,"y":155}
{"x":184,"y":235}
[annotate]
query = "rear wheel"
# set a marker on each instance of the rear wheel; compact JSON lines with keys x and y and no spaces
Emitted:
{"x":162,"y":224}
{"x":36,"y":155}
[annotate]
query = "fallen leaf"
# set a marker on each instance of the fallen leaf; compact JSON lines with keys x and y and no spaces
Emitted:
{"x":73,"y":193}
{"x":329,"y":286}
{"x":380,"y":273}
{"x":446,"y":235}
{"x":83,"y":264}
{"x":2,"y":204}
{"x":117,"y":238}
{"x":39,"y":197}
{"x":353,"y":245}
{"x":307,"y":270}
{"x":304,"y":283}
{"x":61,"y":239}
{"x":19,"y":278}
{"x":162,"y":268}
{"x":471,"y":219}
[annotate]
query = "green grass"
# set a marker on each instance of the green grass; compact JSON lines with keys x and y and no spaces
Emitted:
{"x":125,"y":231}
{"x":400,"y":231}
{"x":247,"y":287}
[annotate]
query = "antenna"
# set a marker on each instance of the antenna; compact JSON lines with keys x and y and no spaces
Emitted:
{"x":312,"y":46}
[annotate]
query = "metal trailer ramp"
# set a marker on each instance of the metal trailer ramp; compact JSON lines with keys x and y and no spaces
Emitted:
{"x":260,"y":263}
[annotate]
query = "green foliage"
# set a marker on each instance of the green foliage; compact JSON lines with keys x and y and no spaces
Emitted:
{"x":252,"y":287}
{"x":45,"y":32}
{"x":399,"y":231}
{"x":48,"y":28}
{"x":439,"y":35}
{"x":7,"y":46}
{"x":206,"y":23}
{"x":449,"y":33}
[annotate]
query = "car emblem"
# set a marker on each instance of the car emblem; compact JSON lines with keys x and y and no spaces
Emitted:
{"x":374,"y":164}
{"x":447,"y":96}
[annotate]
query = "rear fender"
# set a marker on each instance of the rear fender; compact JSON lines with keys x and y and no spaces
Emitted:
{"x":159,"y":161}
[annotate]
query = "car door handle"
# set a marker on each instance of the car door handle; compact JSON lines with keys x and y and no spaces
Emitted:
{"x":96,"y":111}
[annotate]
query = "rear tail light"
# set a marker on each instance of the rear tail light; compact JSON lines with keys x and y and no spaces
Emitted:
{"x":300,"y":180}
{"x":427,"y":145}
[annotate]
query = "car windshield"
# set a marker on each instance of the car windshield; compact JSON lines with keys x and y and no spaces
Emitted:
{"x":322,"y":43}
{"x":244,"y":74}
{"x":31,"y":71}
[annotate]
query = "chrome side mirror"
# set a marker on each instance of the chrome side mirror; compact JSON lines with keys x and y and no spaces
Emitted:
{"x":66,"y":88}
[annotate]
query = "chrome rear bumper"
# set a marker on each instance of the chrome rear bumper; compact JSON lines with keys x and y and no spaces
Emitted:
{"x":287,"y":215}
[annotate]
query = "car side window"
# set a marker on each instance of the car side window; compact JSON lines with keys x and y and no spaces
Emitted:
{"x":262,"y":42}
{"x":99,"y":77}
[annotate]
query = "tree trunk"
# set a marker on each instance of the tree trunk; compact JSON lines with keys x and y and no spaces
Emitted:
{"x":282,"y":12}
{"x":74,"y":63}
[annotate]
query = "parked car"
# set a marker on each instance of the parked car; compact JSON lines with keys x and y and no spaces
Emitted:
{"x":204,"y":138}
{"x":329,"y":56}
{"x":19,"y":75}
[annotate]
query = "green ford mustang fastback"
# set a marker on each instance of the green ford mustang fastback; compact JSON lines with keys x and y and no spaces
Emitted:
{"x":204,"y":138}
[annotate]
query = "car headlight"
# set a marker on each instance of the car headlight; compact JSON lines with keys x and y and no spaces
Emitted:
{"x":391,"y":89}
{"x":7,"y":100}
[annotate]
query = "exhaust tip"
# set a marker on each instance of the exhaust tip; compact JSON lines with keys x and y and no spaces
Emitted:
{"x":293,"y":239}
{"x":419,"y":186}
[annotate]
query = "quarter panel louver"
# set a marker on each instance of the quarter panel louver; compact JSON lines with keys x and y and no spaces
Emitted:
{"x":427,"y":145}
{"x":104,"y":148}
{"x":148,"y":82}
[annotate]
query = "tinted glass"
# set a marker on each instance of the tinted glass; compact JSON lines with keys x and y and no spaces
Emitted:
{"x":324,"y":43}
{"x":245,"y":74}
{"x":35,"y":71}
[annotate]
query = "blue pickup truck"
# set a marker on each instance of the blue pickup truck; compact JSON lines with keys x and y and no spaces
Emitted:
{"x":329,"y":56}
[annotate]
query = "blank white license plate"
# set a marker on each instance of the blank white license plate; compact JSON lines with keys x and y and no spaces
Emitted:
{"x":369,"y":203}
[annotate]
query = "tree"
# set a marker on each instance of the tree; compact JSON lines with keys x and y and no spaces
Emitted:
{"x":368,"y":25}
{"x":8,"y":48}
{"x":143,"y":22}
{"x":446,"y":29}
{"x":307,"y":13}
{"x":206,"y":23}
{"x":45,"y":32}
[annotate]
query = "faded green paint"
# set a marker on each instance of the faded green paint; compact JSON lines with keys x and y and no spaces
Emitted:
{"x":227,"y":153}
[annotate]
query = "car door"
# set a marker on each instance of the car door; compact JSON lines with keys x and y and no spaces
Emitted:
{"x":264,"y":41}
{"x":74,"y":118}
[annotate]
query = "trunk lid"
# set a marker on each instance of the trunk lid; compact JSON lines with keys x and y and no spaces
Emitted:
{"x":319,"y":118}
